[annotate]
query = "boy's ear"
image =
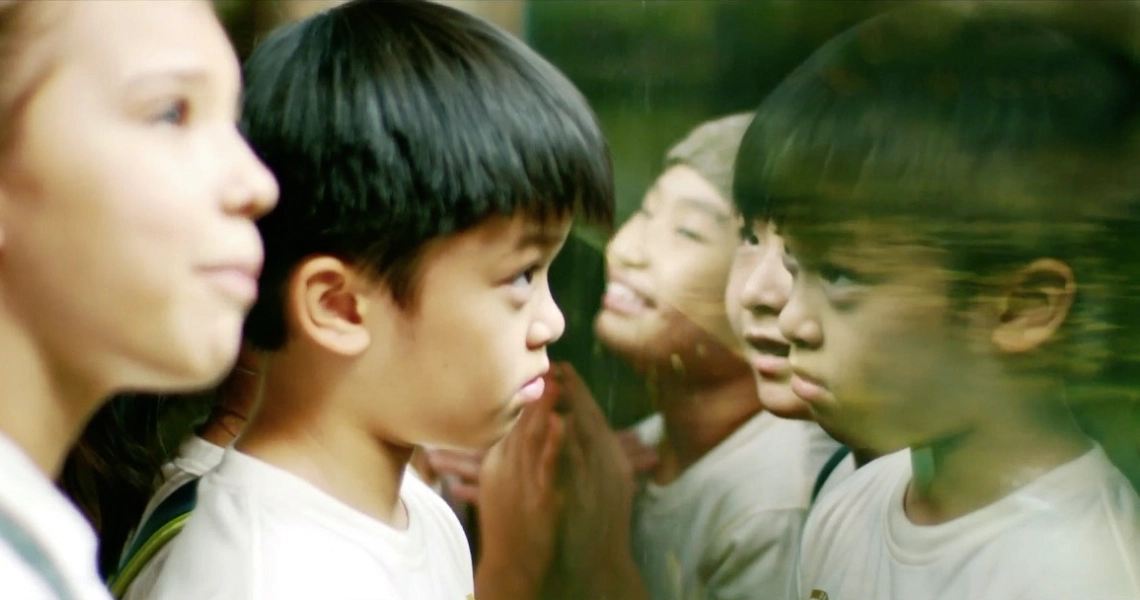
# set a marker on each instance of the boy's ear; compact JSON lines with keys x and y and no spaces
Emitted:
{"x":326,"y":303}
{"x":1034,"y":305}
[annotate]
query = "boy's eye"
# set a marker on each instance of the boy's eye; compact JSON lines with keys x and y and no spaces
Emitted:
{"x":791,"y":264}
{"x":837,"y":277}
{"x":689,"y":234}
{"x":842,"y":287}
{"x":748,"y":236}
{"x":524,"y":278}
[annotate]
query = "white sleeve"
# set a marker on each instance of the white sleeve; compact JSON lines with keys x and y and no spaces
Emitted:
{"x":754,"y":557}
{"x":1092,"y":564}
{"x":19,"y":580}
{"x":651,"y":429}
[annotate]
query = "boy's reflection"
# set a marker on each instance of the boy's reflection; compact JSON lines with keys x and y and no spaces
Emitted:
{"x":723,"y":508}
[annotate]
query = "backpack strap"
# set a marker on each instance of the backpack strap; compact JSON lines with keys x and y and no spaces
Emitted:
{"x":828,"y":468}
{"x":19,"y":539}
{"x":163,"y":525}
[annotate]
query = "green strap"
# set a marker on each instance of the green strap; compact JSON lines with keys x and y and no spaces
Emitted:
{"x":154,"y":533}
{"x":828,"y":469}
{"x":122,"y":581}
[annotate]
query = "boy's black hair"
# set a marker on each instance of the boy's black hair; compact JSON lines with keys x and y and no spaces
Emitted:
{"x":950,"y":119}
{"x":389,"y":124}
{"x":988,"y":135}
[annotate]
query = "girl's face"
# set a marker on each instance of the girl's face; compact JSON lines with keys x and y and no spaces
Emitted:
{"x":128,"y":252}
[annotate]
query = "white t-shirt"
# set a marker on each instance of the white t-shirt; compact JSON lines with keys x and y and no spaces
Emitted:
{"x":1072,"y":534}
{"x":842,"y":471}
{"x":650,"y":430}
{"x":195,"y":458}
{"x":261,"y":533}
{"x":730,"y":525}
{"x":30,"y":498}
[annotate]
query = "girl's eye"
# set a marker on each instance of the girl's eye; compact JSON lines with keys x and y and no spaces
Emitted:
{"x":175,"y":113}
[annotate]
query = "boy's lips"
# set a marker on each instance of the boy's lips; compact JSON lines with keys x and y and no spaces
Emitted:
{"x":769,"y":366}
{"x":532,"y":390}
{"x":809,"y":388}
{"x":626,"y":297}
{"x":768,"y":354}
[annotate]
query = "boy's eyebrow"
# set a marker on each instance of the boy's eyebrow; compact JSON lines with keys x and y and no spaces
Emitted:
{"x":541,"y":237}
{"x":704,"y":206}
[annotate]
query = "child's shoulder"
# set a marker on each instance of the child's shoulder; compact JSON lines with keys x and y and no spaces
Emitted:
{"x":876,"y":479}
{"x":768,"y":442}
{"x":1087,"y":501}
{"x":1083,"y":535}
{"x":259,"y":531}
{"x":858,"y":503}
{"x":768,"y":464}
{"x":435,"y":514}
{"x":421,"y":499}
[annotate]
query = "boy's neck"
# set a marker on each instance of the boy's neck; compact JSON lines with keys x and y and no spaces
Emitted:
{"x":235,"y":400}
{"x":43,"y":411}
{"x":961,"y":474}
{"x":300,"y":427}
{"x":698,"y":416}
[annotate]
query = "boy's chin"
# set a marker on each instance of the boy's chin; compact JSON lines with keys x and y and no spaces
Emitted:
{"x":779,"y":399}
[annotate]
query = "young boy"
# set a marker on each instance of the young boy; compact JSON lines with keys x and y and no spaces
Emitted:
{"x":430,"y":166}
{"x":759,"y":284}
{"x":940,"y":178}
{"x":722,"y":511}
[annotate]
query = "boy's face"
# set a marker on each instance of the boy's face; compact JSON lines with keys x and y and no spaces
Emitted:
{"x":758,"y":289}
{"x":471,"y":349}
{"x":875,"y":351}
{"x":666,"y":271}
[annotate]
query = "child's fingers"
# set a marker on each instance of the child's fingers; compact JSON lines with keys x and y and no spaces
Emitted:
{"x":581,"y":401}
{"x":464,"y":492}
{"x":575,"y":451}
{"x":640,"y":454}
{"x":570,"y":378}
{"x":519,"y":435}
{"x":642,"y":460}
{"x":548,"y":457}
{"x":629,"y":438}
{"x":552,"y":389}
{"x":534,"y":426}
{"x":591,"y":428}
